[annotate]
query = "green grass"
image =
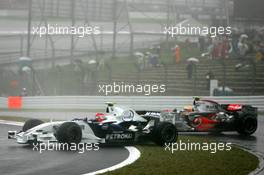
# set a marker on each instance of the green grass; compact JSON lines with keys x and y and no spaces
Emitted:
{"x":155,"y":160}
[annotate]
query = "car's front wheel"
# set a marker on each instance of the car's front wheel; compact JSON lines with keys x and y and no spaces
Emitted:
{"x":69,"y":132}
{"x":164,"y":132}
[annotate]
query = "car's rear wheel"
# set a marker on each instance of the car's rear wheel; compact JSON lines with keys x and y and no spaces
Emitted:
{"x":69,"y":132}
{"x":165,"y":132}
{"x":248,"y":126}
{"x":31,"y":123}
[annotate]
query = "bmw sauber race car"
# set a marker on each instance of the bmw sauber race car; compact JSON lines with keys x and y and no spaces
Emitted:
{"x":210,"y":116}
{"x":117,"y":125}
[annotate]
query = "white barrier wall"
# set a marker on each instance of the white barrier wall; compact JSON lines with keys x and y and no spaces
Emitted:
{"x":136,"y":102}
{"x":3,"y":103}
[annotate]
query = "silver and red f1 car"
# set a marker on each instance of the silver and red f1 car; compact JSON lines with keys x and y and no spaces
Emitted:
{"x":210,"y":116}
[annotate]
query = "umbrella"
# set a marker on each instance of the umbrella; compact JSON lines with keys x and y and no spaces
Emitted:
{"x":25,"y":59}
{"x":192,"y":59}
{"x":227,"y":89}
{"x":139,"y":54}
{"x":243,"y":36}
{"x":92,"y":62}
{"x":204,"y":54}
{"x":26,"y":69}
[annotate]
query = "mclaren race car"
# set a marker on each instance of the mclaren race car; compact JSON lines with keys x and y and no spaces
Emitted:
{"x":210,"y":116}
{"x":118,"y":124}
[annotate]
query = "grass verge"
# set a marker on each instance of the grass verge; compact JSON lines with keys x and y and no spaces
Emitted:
{"x":155,"y":160}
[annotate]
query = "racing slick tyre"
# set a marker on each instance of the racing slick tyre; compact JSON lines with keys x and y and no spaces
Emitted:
{"x":31,"y":123}
{"x":164,"y":132}
{"x":69,"y":132}
{"x":248,"y":126}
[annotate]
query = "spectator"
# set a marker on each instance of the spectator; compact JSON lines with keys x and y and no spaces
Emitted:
{"x":209,"y":76}
{"x":242,"y":45}
{"x":243,"y":49}
{"x":210,"y":48}
{"x":177,"y":54}
{"x":157,"y":50}
{"x":24,"y":92}
{"x":153,"y":60}
{"x":226,"y":48}
{"x":189,"y":68}
{"x":140,"y":63}
{"x":260,"y":51}
{"x":187,"y":44}
{"x":201,"y":41}
{"x":217,"y":48}
{"x":235,"y":39}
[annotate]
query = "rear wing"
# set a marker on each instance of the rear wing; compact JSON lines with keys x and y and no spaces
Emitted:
{"x":246,"y":109}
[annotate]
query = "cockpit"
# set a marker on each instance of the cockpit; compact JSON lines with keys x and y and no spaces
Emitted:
{"x":115,"y":110}
{"x":122,"y":113}
{"x":205,"y":106}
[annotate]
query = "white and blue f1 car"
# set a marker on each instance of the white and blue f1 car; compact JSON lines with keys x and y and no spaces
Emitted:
{"x":117,"y":125}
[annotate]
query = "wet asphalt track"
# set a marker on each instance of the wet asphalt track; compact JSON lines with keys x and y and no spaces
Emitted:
{"x":18,"y":159}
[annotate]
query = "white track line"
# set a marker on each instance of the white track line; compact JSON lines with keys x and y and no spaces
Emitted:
{"x":134,"y":153}
{"x":260,"y":169}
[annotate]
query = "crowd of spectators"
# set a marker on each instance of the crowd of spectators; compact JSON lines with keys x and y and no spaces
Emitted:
{"x":240,"y":45}
{"x":148,"y":59}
